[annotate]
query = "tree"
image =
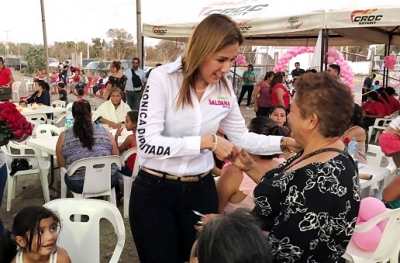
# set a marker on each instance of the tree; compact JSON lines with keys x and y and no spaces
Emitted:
{"x":97,"y":47}
{"x":164,"y":52}
{"x":121,"y":43}
{"x":36,"y":60}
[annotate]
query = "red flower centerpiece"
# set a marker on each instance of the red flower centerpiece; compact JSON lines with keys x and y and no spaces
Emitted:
{"x":346,"y":141}
{"x":13,"y":125}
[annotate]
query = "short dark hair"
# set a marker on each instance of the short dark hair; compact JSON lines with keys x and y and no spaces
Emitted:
{"x":330,"y":100}
{"x":135,"y":58}
{"x":1,"y":59}
{"x":61,"y":85}
{"x":373,"y":95}
{"x":158,"y":64}
{"x":233,"y":238}
{"x":297,"y":63}
{"x":335,"y":67}
{"x":390,"y":91}
{"x":373,"y":75}
{"x":376,"y":82}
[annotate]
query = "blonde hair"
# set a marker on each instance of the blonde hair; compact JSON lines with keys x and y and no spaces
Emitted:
{"x":214,"y":33}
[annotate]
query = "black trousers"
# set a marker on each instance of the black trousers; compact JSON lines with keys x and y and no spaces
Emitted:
{"x":249,"y":89}
{"x":161,"y":217}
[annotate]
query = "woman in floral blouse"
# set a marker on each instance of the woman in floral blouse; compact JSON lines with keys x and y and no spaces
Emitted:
{"x":308,"y":206}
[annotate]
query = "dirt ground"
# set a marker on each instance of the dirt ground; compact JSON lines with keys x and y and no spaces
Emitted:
{"x":29,"y":193}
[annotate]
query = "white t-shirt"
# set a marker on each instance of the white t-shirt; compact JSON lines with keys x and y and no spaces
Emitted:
{"x":169,"y":140}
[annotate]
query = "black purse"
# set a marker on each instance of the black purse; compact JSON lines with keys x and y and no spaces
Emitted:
{"x":5,"y":93}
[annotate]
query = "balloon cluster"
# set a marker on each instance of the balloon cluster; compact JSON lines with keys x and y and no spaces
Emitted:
{"x":390,"y":61}
{"x":334,"y":56}
{"x":370,"y":207}
{"x":241,"y":60}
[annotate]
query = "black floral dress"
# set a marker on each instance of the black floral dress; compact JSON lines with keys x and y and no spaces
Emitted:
{"x":118,"y":83}
{"x":310,"y":212}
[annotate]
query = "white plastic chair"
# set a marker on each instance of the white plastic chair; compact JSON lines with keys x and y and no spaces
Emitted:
{"x":29,"y":84}
{"x":380,"y":125}
{"x":97,"y":180}
{"x":37,"y":118}
{"x":82,"y":239}
{"x":375,"y":155}
{"x":59,"y":103}
{"x":43,"y":130}
{"x":389,"y":245}
{"x":15,"y":89}
{"x":39,"y":167}
{"x":128,"y":180}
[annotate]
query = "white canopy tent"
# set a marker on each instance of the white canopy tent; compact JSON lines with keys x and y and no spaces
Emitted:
{"x":283,"y":23}
{"x":263,"y":22}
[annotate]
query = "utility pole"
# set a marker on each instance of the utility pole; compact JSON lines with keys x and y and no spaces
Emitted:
{"x":139,"y":43}
{"x":7,"y":46}
{"x":46,"y":50}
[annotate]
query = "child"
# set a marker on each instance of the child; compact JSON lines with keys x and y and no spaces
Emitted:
{"x":131,"y":120}
{"x":376,"y":85}
{"x":62,"y":92}
{"x":80,"y":94}
{"x":23,"y":104}
{"x":33,"y":238}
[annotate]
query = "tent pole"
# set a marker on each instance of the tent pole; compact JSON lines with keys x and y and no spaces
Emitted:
{"x":46,"y":50}
{"x":326,"y":48}
{"x":321,"y":67}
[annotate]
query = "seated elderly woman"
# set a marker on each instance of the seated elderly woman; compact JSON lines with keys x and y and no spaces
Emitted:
{"x":84,"y":140}
{"x":112,"y":113}
{"x":308,"y":206}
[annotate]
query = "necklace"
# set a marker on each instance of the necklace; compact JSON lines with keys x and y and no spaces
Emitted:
{"x":199,"y":90}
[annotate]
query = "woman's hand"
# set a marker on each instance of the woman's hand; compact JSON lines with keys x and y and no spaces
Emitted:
{"x":255,"y":108}
{"x":242,"y":159}
{"x":292,"y":145}
{"x":224,"y":150}
{"x":114,"y":125}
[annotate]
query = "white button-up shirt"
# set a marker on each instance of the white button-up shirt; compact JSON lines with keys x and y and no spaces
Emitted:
{"x":169,"y":140}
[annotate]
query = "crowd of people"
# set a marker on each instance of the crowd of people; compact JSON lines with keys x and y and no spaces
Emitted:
{"x":265,"y":205}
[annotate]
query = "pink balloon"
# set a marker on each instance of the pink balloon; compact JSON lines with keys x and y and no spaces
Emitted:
{"x":369,"y":240}
{"x":371,"y":207}
{"x":331,"y":51}
{"x":330,"y":59}
{"x":392,"y":56}
{"x":336,"y":56}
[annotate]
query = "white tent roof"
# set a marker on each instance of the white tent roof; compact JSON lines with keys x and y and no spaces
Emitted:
{"x":370,"y":21}
{"x":258,"y":19}
{"x":281,"y":23}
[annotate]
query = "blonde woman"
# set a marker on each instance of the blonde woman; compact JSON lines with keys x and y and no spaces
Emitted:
{"x":182,"y":107}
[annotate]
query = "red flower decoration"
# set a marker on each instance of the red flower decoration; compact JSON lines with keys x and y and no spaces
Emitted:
{"x":13,"y":125}
{"x":346,"y":140}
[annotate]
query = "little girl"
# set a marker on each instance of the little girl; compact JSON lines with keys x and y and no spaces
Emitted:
{"x":33,"y":238}
{"x":131,"y":120}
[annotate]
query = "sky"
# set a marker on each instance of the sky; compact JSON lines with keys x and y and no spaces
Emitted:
{"x":74,"y":20}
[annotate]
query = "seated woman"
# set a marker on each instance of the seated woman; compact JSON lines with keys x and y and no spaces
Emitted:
{"x":83,"y":80}
{"x":373,"y":108}
{"x":309,"y":205}
{"x":234,"y":187}
{"x":84,"y":140}
{"x":278,"y":114}
{"x":394,"y":103}
{"x":41,"y":96}
{"x":112,"y":113}
{"x":383,"y":97}
{"x":75,"y":78}
{"x":356,"y":129}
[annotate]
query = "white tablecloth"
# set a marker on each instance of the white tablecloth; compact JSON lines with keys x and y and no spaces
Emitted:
{"x":42,"y":109}
{"x":379,"y":174}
